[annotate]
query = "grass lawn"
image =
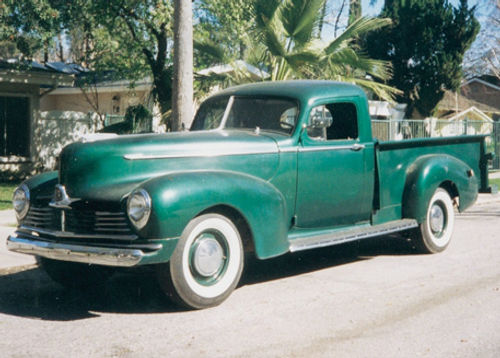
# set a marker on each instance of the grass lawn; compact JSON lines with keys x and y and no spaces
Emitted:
{"x":495,"y":182}
{"x":6,"y":191}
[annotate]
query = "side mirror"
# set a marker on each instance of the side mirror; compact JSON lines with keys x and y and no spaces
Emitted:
{"x":321,"y":121}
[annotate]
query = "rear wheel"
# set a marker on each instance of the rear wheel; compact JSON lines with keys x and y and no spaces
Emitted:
{"x":434,"y":233}
{"x":74,"y":274}
{"x":206,"y":265}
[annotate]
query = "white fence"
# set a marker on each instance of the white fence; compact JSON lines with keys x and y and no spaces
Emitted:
{"x":385,"y":130}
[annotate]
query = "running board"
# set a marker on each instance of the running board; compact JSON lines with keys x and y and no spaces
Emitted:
{"x":342,"y":236}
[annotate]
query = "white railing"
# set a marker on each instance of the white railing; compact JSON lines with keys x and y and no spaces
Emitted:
{"x":385,"y":130}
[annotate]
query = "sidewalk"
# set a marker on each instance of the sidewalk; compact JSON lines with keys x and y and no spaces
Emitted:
{"x":10,"y":260}
{"x":494,"y":175}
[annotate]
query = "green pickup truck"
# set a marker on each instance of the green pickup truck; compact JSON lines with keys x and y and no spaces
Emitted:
{"x":266,"y":169}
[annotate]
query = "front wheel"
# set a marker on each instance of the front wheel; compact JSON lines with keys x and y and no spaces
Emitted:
{"x":206,"y":265}
{"x":434,"y":233}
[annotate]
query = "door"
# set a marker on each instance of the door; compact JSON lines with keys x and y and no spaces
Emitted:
{"x":14,"y":126}
{"x":332,"y":187}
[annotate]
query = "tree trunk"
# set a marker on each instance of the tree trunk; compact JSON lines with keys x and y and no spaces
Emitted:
{"x":182,"y":87}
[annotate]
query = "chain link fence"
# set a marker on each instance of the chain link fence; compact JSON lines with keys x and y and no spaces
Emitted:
{"x":385,"y":130}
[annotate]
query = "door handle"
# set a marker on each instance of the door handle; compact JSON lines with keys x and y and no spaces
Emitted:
{"x":357,"y":147}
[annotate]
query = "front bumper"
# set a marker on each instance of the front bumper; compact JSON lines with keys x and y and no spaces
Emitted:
{"x":117,"y":254}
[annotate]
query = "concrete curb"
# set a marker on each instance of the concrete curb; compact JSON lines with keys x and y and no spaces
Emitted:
{"x":7,"y":217}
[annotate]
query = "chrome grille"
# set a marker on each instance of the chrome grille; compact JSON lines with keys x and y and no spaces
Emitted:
{"x":43,"y":218}
{"x":78,"y":221}
{"x":97,"y":222}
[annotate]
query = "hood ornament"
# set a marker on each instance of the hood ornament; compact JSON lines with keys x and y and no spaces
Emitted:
{"x":61,"y":200}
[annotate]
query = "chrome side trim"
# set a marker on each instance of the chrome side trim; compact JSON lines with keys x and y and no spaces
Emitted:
{"x":342,"y":236}
{"x":323,"y":148}
{"x":289,"y":150}
{"x":76,"y":253}
{"x":140,"y":156}
{"x":72,"y":235}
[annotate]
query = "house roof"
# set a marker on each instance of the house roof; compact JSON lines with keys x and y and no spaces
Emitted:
{"x":493,"y":83}
{"x":32,"y":72}
{"x":472,"y":111}
{"x":238,"y":65}
{"x":109,"y":86}
{"x":457,"y":102}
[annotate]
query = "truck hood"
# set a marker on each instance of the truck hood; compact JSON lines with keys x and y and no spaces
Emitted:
{"x":108,"y":170}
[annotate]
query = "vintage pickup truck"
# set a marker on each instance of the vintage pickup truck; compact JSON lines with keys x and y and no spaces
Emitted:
{"x":266,"y":169}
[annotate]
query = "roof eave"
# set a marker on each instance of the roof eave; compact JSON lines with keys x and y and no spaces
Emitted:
{"x":36,"y":78}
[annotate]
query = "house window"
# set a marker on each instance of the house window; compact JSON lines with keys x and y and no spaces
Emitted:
{"x":14,"y":126}
{"x":116,"y":104}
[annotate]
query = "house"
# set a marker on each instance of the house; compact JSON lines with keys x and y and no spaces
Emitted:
{"x":109,"y":99}
{"x":469,"y":121}
{"x":22,"y":86}
{"x":482,"y":93}
{"x":42,"y":109}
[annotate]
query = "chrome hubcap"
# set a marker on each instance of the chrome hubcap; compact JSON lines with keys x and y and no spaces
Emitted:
{"x":208,"y":256}
{"x":437,"y":219}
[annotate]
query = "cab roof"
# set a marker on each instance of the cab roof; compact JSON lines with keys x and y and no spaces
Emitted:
{"x":302,"y":90}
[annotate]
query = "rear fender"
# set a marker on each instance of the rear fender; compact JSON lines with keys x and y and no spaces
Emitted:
{"x":428,"y":173}
{"x":179,"y":197}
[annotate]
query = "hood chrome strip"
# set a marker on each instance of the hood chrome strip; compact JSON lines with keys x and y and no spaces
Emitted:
{"x":140,"y":156}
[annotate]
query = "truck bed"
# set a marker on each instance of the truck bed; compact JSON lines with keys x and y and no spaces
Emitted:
{"x":395,"y":160}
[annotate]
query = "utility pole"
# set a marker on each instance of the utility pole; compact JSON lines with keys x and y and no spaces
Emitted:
{"x":182,"y":89}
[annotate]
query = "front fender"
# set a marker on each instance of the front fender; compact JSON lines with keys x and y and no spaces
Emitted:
{"x":427,"y":173}
{"x":179,"y":197}
{"x":42,"y":184}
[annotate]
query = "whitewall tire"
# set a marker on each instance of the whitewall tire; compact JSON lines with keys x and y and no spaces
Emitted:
{"x":207,"y":263}
{"x":434,"y":233}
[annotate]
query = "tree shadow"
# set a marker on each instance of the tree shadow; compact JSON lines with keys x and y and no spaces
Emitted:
{"x":295,"y":264}
{"x":32,"y":294}
{"x":482,"y":213}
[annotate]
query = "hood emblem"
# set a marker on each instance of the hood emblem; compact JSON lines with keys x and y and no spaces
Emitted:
{"x":61,"y":199}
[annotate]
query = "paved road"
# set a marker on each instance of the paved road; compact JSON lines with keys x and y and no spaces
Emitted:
{"x":378,"y":299}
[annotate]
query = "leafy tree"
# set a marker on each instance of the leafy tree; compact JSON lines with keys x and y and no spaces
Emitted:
{"x":134,"y":35}
{"x":426,"y":44}
{"x":29,"y":24}
{"x":226,"y":22}
{"x":120,"y":38}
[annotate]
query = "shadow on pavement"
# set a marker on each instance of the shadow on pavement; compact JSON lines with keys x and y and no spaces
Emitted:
{"x":32,"y":294}
{"x":314,"y":260}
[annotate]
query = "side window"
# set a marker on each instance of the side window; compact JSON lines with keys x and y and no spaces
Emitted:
{"x":333,"y":121}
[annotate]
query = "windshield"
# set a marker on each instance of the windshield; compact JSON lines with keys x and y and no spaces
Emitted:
{"x":274,"y":114}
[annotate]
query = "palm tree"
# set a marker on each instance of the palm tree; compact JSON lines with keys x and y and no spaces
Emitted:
{"x":287,"y":37}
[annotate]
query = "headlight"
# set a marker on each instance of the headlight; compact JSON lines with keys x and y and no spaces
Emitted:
{"x":139,"y":207}
{"x":21,"y":201}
